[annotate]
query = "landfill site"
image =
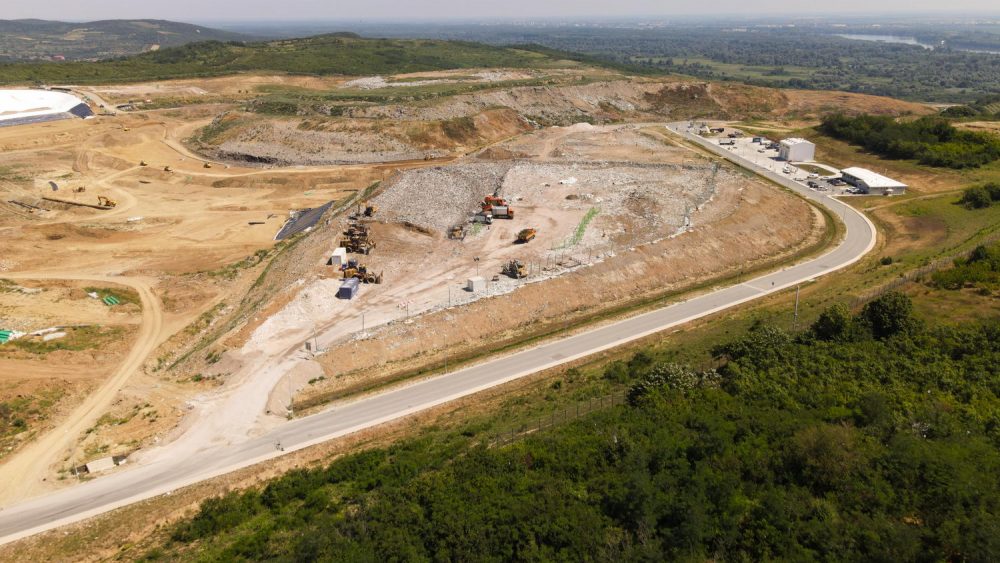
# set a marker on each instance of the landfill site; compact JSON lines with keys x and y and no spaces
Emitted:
{"x":155,"y":299}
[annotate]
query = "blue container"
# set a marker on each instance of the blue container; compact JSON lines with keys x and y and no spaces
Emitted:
{"x":349,"y":288}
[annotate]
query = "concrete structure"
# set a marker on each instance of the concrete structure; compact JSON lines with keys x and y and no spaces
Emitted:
{"x":21,"y":107}
{"x":796,"y":150}
{"x":870,"y":182}
{"x":102,"y":464}
{"x":476,"y":284}
{"x":339,"y":257}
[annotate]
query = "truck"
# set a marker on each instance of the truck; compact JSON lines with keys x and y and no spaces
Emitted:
{"x":503,"y":212}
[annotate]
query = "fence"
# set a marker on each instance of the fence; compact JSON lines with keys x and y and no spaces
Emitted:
{"x":916,"y":275}
{"x":562,"y":416}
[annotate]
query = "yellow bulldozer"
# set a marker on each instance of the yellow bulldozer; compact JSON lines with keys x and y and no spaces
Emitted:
{"x":371,"y":210}
{"x":361,"y":272}
{"x":515,"y":269}
{"x":106,"y":201}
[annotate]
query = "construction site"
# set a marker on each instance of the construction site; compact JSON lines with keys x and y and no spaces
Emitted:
{"x":161,"y":292}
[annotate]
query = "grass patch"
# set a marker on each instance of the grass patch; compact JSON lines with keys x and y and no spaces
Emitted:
{"x":77,"y":339}
{"x":125,"y":295}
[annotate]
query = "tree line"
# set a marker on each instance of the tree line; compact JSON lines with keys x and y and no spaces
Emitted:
{"x":929,"y":140}
{"x":870,"y":436}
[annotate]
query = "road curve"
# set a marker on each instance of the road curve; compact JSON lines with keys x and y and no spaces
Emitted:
{"x":20,"y":477}
{"x":146,"y":481}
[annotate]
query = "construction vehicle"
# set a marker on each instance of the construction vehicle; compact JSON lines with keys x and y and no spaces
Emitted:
{"x":206,"y":165}
{"x":167,"y":169}
{"x":143,"y":163}
{"x":526,"y":235}
{"x":457,"y":233}
{"x":80,"y":190}
{"x":497,"y":207}
{"x":515,"y":269}
{"x":355,"y":270}
{"x":357,"y":239}
{"x":106,"y":201}
{"x":371,"y":210}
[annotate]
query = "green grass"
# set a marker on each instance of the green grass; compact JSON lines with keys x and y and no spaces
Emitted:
{"x":321,"y":55}
{"x":77,"y":339}
{"x":581,"y":229}
{"x":125,"y":295}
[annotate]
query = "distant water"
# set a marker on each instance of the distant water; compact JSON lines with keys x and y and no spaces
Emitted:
{"x":905,"y":41}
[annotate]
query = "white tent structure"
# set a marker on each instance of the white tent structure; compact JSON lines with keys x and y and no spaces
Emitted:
{"x":20,"y":107}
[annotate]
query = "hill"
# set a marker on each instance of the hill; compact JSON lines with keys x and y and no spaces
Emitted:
{"x":321,"y":55}
{"x":53,"y":40}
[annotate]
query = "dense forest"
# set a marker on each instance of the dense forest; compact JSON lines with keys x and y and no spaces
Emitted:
{"x":869,"y":436}
{"x":928,"y":140}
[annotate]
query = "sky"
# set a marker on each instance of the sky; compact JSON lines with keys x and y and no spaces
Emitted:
{"x":197,"y":11}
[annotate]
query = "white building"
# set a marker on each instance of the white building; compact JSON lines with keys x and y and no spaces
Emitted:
{"x":796,"y":150}
{"x":20,"y":107}
{"x":870,"y":182}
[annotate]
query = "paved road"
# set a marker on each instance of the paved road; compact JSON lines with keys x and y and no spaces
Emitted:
{"x":142,"y":482}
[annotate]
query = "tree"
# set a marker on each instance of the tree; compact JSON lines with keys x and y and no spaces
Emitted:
{"x":833,"y":324}
{"x":889,"y":315}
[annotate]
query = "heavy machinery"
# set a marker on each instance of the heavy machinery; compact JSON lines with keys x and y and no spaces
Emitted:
{"x":143,"y":163}
{"x":457,"y":232}
{"x":497,"y":207}
{"x":526,"y":235}
{"x":79,"y":190}
{"x":167,"y":169}
{"x":371,"y":210}
{"x":355,"y":270}
{"x":206,"y":165}
{"x":106,"y":201}
{"x":357,"y":239}
{"x":515,"y":269}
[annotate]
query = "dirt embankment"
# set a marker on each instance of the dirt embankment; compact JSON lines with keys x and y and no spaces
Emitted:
{"x":452,"y":124}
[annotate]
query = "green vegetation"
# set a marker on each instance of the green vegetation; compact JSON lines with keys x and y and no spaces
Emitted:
{"x":929,"y":140}
{"x":981,"y":270}
{"x":77,"y":339}
{"x":19,"y":414}
{"x":877,"y":440}
{"x":981,"y":197}
{"x":39,"y":39}
{"x":125,"y":295}
{"x":321,"y":55}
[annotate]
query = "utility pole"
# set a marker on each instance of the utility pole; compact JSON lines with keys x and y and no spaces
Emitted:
{"x":795,"y":320}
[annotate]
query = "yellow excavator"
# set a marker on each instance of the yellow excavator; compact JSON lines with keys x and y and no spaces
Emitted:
{"x":106,"y":201}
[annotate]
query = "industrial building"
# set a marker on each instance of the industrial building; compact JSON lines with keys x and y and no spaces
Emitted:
{"x":796,"y":150}
{"x":21,"y":107}
{"x":870,"y":182}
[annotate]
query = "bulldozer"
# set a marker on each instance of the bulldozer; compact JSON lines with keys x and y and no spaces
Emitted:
{"x":167,"y":169}
{"x":106,"y":201}
{"x":143,"y":163}
{"x":371,"y":210}
{"x":207,"y":165}
{"x":79,"y":190}
{"x":356,"y":239}
{"x":525,"y":236}
{"x":457,"y":233}
{"x":515,"y":269}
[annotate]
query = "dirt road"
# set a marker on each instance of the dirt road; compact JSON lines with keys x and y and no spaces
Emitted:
{"x":23,"y":476}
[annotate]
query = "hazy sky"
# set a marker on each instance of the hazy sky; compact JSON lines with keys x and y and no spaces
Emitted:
{"x":306,"y":10}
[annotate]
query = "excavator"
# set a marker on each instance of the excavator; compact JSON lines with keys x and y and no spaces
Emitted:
{"x":106,"y":201}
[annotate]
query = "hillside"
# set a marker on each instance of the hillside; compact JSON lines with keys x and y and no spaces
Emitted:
{"x":52,"y":40}
{"x":320,"y":55}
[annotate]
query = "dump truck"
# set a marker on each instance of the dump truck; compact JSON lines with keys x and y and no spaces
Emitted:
{"x":526,"y":235}
{"x":515,"y":269}
{"x":503,"y":212}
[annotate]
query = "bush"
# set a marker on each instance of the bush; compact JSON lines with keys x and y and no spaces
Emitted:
{"x":976,"y":197}
{"x":833,"y":324}
{"x":889,"y":315}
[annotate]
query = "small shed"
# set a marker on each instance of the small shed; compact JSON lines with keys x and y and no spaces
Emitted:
{"x":349,"y":288}
{"x":102,"y":464}
{"x":476,"y":284}
{"x":339,"y":257}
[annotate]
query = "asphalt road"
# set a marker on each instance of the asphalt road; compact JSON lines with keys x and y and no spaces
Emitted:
{"x":128,"y":485}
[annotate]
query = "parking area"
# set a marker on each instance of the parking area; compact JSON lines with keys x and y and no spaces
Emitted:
{"x":764,"y":153}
